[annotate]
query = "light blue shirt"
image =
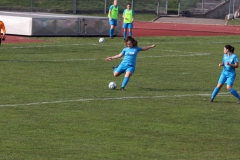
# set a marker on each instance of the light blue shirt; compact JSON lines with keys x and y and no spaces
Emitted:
{"x":232,"y":60}
{"x":130,"y":55}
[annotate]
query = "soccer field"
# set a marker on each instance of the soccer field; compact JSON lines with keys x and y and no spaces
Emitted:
{"x":55,"y":102}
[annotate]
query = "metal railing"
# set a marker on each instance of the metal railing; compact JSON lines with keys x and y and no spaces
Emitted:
{"x":158,"y":7}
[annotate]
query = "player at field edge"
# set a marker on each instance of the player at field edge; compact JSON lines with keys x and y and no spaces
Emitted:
{"x":3,"y":32}
{"x":113,"y":17}
{"x":128,"y":63}
{"x":228,"y":75}
{"x":128,"y":17}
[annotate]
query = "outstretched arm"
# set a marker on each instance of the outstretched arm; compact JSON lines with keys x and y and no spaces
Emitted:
{"x":114,"y":57}
{"x":148,"y":47}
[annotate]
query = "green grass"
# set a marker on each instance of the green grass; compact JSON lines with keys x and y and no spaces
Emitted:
{"x":234,"y":22}
{"x":55,"y":102}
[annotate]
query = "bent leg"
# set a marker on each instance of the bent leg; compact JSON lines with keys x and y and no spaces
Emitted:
{"x":116,"y":74}
{"x":118,"y":70}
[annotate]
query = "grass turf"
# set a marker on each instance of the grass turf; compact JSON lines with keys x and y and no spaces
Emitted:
{"x":55,"y":102}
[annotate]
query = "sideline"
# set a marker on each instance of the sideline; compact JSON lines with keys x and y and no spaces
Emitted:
{"x":110,"y":98}
{"x":94,"y":59}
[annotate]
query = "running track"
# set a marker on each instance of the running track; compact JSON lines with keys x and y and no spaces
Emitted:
{"x":160,"y":29}
{"x":178,"y":29}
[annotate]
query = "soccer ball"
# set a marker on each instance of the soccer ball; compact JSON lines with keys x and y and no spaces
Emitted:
{"x":112,"y":85}
{"x":101,"y":40}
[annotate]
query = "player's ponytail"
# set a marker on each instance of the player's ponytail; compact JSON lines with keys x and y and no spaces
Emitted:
{"x":233,"y":49}
{"x":135,"y":43}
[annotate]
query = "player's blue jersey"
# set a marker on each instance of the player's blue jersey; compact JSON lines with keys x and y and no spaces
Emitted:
{"x":232,"y":60}
{"x":130,"y":55}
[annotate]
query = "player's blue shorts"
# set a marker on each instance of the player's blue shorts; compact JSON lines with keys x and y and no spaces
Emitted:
{"x":228,"y":79}
{"x":128,"y":25}
{"x":125,"y":68}
{"x":113,"y":22}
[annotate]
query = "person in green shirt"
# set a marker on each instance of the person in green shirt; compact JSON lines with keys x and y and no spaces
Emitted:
{"x":113,"y":17}
{"x":128,"y":17}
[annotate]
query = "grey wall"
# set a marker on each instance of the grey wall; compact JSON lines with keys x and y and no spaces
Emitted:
{"x":221,"y":11}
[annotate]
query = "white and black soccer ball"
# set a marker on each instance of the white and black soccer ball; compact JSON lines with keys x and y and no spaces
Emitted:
{"x":112,"y":85}
{"x":101,"y":40}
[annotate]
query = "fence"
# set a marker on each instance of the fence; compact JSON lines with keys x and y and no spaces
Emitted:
{"x":76,"y":6}
{"x":159,"y":7}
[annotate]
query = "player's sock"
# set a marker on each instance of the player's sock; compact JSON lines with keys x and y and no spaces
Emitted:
{"x":234,"y":92}
{"x":111,"y":32}
{"x":124,"y":34}
{"x":125,"y":81}
{"x":130,"y":33}
{"x":215,"y":92}
{"x":114,"y":69}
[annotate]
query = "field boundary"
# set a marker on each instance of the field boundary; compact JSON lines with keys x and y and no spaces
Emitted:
{"x":20,"y":39}
{"x":112,"y":98}
{"x":182,"y":29}
{"x":158,"y":28}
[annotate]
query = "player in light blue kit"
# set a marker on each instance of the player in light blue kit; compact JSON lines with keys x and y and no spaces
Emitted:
{"x":229,"y":63}
{"x":128,"y":63}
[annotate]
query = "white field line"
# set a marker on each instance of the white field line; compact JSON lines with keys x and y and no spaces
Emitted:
{"x":110,"y":98}
{"x":93,"y":59}
{"x":188,"y":42}
{"x":106,"y":44}
{"x":185,"y":55}
{"x":59,"y":45}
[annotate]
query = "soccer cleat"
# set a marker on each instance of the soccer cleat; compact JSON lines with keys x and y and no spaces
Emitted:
{"x":114,"y":67}
{"x":122,"y":89}
{"x":238,"y":101}
{"x":211,"y":100}
{"x":111,"y":37}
